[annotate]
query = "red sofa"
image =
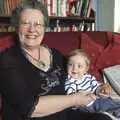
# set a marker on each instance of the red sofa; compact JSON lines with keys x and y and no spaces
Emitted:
{"x":102,"y":47}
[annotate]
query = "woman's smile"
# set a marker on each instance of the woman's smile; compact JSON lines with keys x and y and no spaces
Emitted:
{"x":31,"y":36}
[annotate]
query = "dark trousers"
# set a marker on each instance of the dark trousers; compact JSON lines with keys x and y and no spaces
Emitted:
{"x":77,"y":115}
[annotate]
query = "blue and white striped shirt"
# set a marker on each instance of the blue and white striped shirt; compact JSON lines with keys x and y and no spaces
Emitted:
{"x":87,"y":83}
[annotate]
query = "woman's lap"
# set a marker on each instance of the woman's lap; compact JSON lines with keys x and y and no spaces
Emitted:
{"x":76,"y":115}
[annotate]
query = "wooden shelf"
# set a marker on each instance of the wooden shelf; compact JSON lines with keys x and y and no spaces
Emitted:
{"x":6,"y":19}
{"x":72,"y":18}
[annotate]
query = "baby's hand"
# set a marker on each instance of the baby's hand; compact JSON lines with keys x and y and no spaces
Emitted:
{"x":103,"y":95}
{"x":103,"y":90}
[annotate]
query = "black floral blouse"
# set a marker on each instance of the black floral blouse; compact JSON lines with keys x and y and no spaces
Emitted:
{"x":21,"y":84}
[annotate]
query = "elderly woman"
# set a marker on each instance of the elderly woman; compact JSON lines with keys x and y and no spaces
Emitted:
{"x":32,"y":75}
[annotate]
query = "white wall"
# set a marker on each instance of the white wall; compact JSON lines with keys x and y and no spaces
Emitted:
{"x":117,"y":16}
{"x":105,"y":14}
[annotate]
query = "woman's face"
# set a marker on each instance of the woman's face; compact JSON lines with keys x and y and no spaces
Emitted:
{"x":31,"y":28}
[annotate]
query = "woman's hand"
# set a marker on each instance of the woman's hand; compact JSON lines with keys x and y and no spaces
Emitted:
{"x":83,"y":98}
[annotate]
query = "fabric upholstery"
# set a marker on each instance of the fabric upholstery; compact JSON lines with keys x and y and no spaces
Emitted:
{"x":111,"y":54}
{"x":101,"y":46}
{"x":5,"y":42}
{"x":63,"y":41}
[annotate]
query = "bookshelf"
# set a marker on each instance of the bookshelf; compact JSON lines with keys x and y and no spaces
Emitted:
{"x":63,"y":17}
{"x":71,"y":23}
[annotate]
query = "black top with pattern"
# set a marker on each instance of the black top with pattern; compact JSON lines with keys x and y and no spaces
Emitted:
{"x":21,"y":83}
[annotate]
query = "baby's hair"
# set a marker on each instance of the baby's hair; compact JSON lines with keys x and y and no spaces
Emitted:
{"x":82,"y":53}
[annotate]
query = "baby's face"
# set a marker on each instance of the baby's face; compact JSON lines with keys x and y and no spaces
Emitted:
{"x":77,"y":66}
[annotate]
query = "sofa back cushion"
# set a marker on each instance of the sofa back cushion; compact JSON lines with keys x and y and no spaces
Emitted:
{"x":6,"y":40}
{"x":94,"y":43}
{"x":63,"y":41}
{"x":111,"y":55}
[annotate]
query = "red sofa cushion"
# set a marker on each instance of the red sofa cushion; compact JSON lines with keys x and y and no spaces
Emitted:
{"x":94,"y":44}
{"x":6,"y":42}
{"x":63,"y":41}
{"x":111,"y":55}
{"x":101,"y":46}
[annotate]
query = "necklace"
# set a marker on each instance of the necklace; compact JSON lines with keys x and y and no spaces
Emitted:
{"x":40,"y":62}
{"x":36,"y":62}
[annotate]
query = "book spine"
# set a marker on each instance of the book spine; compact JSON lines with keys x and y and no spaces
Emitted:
{"x":54,"y":8}
{"x":48,"y":7}
{"x":89,"y":9}
{"x":51,"y":8}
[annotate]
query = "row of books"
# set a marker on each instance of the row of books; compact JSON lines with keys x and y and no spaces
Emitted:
{"x":6,"y":6}
{"x":7,"y":29}
{"x":74,"y":27}
{"x":80,"y":8}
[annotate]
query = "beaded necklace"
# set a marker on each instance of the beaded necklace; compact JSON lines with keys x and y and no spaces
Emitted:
{"x":37,"y":62}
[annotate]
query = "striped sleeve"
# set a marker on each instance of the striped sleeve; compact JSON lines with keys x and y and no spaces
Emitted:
{"x":94,"y":84}
{"x":70,"y":86}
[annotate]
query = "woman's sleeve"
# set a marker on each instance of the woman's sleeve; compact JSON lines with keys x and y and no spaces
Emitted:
{"x":1,"y":84}
{"x":1,"y":74}
{"x":28,"y":106}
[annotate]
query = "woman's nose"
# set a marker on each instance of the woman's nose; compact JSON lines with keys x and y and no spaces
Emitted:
{"x":32,"y":27}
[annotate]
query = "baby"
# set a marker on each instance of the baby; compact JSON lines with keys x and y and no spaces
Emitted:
{"x":80,"y":80}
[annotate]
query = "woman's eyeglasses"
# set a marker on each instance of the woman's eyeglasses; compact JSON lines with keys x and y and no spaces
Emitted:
{"x":28,"y":24}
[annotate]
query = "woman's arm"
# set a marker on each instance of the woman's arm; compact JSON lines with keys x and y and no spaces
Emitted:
{"x":55,"y":103}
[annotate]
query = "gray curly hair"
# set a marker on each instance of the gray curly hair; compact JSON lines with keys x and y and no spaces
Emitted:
{"x":34,"y":4}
